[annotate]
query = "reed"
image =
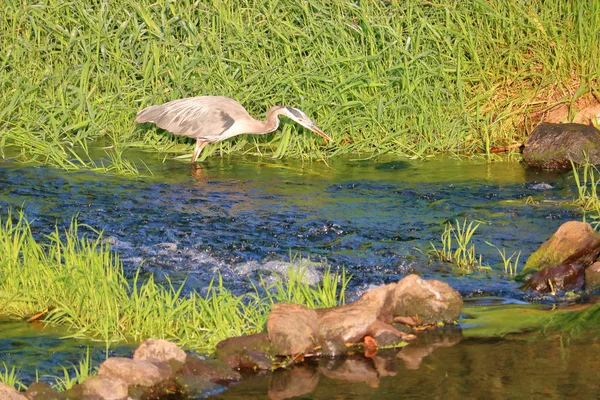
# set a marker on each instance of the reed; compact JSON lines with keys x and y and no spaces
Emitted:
{"x":457,"y":246}
{"x":409,"y":78}
{"x":76,"y":281}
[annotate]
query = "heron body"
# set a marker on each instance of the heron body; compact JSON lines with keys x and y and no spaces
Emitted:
{"x":211,"y":119}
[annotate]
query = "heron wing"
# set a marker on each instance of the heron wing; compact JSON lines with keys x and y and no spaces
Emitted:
{"x":206,"y":117}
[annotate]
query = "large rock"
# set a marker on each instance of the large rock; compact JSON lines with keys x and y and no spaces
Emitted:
{"x":159,"y":350}
{"x":135,"y":372}
{"x":574,"y":242}
{"x":104,"y":388}
{"x":553,"y":146}
{"x":10,"y":393}
{"x":292,"y":329}
{"x":431,"y":301}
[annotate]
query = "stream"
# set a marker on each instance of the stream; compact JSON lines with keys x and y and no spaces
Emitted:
{"x":245,"y":218}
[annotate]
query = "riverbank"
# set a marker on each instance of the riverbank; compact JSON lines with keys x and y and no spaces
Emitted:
{"x":403,"y":78}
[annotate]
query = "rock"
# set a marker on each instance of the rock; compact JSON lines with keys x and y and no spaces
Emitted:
{"x":297,"y":381}
{"x":562,"y":278}
{"x":216,"y":371}
{"x":41,"y":391}
{"x":382,"y":301}
{"x":431,"y":301}
{"x":348,"y":323}
{"x":553,"y":146}
{"x":292,"y":329}
{"x":574,"y":242}
{"x":135,"y":372}
{"x":160,"y":350}
{"x":105,"y":388}
{"x":10,"y":393}
{"x":246,"y":352}
{"x":592,"y":277}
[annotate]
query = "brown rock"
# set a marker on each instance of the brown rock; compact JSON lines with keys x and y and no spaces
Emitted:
{"x":160,"y":350}
{"x":382,"y":301}
{"x":574,"y":242}
{"x":10,"y":393}
{"x":210,"y":370}
{"x":292,"y":329}
{"x":592,"y":277}
{"x":105,"y":388}
{"x":431,"y":301}
{"x":246,"y":352}
{"x":135,"y":372}
{"x":553,"y":146}
{"x":349,"y":323}
{"x":559,"y":278}
{"x":41,"y":391}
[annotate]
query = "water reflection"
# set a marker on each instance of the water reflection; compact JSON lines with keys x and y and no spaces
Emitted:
{"x":441,"y":364}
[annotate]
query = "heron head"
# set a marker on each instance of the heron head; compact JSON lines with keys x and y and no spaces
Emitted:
{"x":301,"y":118}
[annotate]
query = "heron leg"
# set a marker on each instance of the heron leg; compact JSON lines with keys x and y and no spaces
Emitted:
{"x":199,"y":146}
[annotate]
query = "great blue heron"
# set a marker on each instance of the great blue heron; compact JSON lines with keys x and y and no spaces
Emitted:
{"x":211,"y":119}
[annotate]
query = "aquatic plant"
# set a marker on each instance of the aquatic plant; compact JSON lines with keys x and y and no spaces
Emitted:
{"x":457,"y":247}
{"x":399,"y":77}
{"x":74,"y":375}
{"x":10,"y":377}
{"x":510,"y":266}
{"x":78,"y":282}
{"x":587,"y":179}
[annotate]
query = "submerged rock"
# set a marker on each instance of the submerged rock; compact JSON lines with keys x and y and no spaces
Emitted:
{"x":246,"y":352}
{"x":553,"y":146}
{"x":216,"y":371}
{"x":574,"y":242}
{"x":41,"y":391}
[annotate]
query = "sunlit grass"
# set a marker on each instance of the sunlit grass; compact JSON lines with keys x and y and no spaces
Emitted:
{"x":10,"y":377}
{"x":75,"y":375}
{"x":73,"y":280}
{"x":407,"y":78}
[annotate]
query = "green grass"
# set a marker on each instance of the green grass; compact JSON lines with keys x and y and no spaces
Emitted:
{"x":457,"y":246}
{"x":73,"y":280}
{"x":10,"y":377}
{"x":409,"y":78}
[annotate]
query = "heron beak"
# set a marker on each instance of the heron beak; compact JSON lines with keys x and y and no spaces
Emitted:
{"x":314,"y":128}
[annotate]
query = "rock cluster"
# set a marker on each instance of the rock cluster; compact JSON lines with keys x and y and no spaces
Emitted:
{"x":160,"y":368}
{"x":565,"y":262}
{"x":295,"y":330}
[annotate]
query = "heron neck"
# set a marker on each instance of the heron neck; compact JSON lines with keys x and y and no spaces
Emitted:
{"x":270,"y":124}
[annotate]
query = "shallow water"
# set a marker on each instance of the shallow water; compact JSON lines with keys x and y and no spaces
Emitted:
{"x":243,"y":218}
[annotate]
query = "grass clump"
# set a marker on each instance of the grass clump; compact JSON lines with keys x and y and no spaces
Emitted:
{"x":10,"y":377}
{"x":400,"y":77}
{"x":457,"y":246}
{"x":78,"y":282}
